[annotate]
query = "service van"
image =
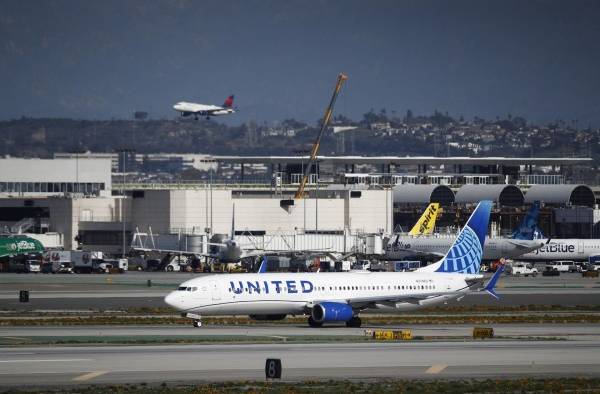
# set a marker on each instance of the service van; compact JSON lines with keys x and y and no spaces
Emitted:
{"x":560,"y":265}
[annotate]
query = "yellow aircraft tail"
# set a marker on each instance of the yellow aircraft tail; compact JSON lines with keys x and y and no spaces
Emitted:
{"x":426,"y":222}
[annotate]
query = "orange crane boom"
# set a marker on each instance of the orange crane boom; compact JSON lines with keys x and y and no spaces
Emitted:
{"x":315,"y":148}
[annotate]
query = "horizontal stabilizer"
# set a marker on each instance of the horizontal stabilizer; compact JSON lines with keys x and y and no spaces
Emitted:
{"x":490,"y":287}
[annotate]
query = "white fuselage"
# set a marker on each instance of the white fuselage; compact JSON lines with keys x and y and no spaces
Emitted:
{"x":494,"y":248}
{"x":565,"y":249}
{"x":294,"y":293}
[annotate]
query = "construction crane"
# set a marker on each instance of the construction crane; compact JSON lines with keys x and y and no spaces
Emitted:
{"x":315,"y":148}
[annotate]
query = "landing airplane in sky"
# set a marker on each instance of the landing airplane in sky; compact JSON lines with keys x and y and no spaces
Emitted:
{"x":435,"y":246}
{"x":207,"y":110}
{"x":340,"y":297}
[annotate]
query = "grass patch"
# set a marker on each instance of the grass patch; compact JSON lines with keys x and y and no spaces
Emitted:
{"x":124,"y":319}
{"x":530,"y":385}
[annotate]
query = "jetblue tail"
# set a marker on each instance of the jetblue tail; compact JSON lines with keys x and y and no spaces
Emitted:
{"x":228,"y":102}
{"x":464,"y":256}
{"x":528,"y":228}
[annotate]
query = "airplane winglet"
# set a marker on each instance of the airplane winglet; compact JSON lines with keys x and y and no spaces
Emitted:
{"x":489,"y":287}
{"x":263,"y":265}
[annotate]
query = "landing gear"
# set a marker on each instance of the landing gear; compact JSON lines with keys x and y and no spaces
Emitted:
{"x":354,"y":322}
{"x":197,"y":319}
{"x":313,"y":323}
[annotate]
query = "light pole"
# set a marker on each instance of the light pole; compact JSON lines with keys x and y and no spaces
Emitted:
{"x":124,"y":151}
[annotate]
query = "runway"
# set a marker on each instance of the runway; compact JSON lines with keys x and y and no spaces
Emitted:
{"x":39,"y":366}
{"x":131,"y":290}
{"x":456,"y":331}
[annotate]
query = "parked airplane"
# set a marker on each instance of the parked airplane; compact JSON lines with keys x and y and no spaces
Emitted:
{"x":207,"y":110}
{"x":340,"y":297}
{"x":564,"y":249}
{"x":434,"y":246}
{"x":19,"y":244}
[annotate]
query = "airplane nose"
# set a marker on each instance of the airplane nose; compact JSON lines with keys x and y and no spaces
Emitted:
{"x":172,"y":299}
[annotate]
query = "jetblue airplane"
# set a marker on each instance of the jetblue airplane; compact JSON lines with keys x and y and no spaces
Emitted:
{"x":340,"y":297}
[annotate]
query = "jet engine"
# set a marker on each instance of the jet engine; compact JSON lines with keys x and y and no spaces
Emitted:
{"x":331,"y":311}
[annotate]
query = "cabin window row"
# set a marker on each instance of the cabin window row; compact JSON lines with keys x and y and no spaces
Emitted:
{"x":346,"y":288}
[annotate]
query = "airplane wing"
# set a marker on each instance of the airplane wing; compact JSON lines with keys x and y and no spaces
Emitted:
{"x":391,"y":301}
{"x":520,"y":246}
{"x":413,"y":253}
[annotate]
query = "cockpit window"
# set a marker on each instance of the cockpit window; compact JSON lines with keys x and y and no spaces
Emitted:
{"x":181,"y":288}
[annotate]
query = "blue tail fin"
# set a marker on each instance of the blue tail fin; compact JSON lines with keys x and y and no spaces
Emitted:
{"x":263,"y":265}
{"x":528,"y":227}
{"x":465,"y":254}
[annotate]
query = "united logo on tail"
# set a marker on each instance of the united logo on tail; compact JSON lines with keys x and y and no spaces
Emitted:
{"x":465,"y":254}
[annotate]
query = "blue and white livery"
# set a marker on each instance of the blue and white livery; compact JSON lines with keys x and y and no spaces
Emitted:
{"x":340,"y":297}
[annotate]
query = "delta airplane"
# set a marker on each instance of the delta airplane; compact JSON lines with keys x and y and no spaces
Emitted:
{"x":419,"y":244}
{"x":207,"y":110}
{"x":340,"y":297}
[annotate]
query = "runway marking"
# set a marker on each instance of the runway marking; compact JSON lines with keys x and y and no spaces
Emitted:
{"x":88,"y":376}
{"x":278,"y":337}
{"x":435,"y":369}
{"x":46,"y":361}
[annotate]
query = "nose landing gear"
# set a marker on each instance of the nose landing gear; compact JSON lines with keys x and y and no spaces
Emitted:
{"x":197,"y":319}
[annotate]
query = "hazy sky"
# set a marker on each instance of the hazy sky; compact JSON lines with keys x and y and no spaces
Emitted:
{"x":105,"y":59}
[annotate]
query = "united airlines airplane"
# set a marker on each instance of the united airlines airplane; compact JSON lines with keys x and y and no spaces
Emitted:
{"x":340,"y":297}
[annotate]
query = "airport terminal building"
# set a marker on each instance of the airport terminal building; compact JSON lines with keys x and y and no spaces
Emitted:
{"x":82,"y":201}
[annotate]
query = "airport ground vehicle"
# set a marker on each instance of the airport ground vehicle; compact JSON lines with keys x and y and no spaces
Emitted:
{"x":111,"y":265}
{"x":81,"y":261}
{"x":21,"y":266}
{"x":524,"y":269}
{"x":343,"y":265}
{"x":550,"y":271}
{"x":561,"y":265}
{"x":33,"y":266}
{"x":578,"y":266}
{"x":65,"y":268}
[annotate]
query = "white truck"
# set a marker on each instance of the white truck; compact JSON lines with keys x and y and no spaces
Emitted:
{"x":33,"y":266}
{"x":79,"y":261}
{"x":523,"y":269}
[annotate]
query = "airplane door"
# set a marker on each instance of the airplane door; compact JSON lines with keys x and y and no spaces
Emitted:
{"x":580,"y":247}
{"x":214,"y":290}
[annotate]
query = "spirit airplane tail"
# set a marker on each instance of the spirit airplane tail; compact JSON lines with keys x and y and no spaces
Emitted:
{"x":464,"y":257}
{"x":426,"y":222}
